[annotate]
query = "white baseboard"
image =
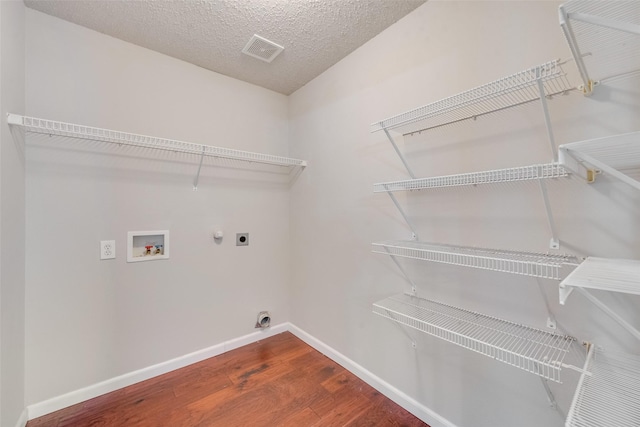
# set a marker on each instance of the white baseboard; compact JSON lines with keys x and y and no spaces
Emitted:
{"x":402,"y":399}
{"x":54,"y":404}
{"x":22,"y":421}
{"x":48,"y":406}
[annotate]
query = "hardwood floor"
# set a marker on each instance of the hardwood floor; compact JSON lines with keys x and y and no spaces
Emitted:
{"x":279,"y":381}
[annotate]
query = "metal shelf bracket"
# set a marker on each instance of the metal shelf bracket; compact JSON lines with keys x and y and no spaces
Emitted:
{"x":545,"y":384}
{"x":402,"y":158}
{"x":576,"y":156}
{"x":197,"y":178}
{"x":404,"y":331}
{"x":414,"y":289}
{"x":414,"y":233}
{"x":554,"y":243}
{"x":605,"y":308}
{"x":605,"y":274}
{"x":547,"y":118}
{"x":567,"y":29}
{"x":551,"y":318}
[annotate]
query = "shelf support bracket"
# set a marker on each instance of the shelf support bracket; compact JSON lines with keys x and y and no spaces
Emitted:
{"x":551,"y":319}
{"x":604,"y":168}
{"x":197,"y":178}
{"x":565,"y":24}
{"x":550,"y":397}
{"x":555,"y":242}
{"x":404,"y":160}
{"x":399,"y":326}
{"x":602,"y":306}
{"x":406,"y":219}
{"x":547,"y":118}
{"x":414,"y":290}
{"x":569,"y":161}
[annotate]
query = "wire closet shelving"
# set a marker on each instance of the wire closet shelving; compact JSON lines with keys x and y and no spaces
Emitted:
{"x":607,"y":393}
{"x":514,"y":90}
{"x":613,"y":155}
{"x":533,"y":350}
{"x":604,"y":38}
{"x":533,"y":84}
{"x":51,"y":127}
{"x":547,"y":266}
{"x":522,"y":173}
{"x":613,"y":275}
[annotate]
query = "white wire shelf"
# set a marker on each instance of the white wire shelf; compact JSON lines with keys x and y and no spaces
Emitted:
{"x":614,"y":275}
{"x":522,"y":173}
{"x":604,"y":37}
{"x":614,"y":155}
{"x":533,"y":350}
{"x":507,"y":92}
{"x":541,"y":265}
{"x":608,"y":393}
{"x":50,"y":127}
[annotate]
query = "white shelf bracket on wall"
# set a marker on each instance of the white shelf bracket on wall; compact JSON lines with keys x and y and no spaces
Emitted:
{"x":606,"y":309}
{"x":414,"y":289}
{"x":554,"y":243}
{"x":551,"y":318}
{"x":547,"y":118}
{"x":545,"y":384}
{"x":610,"y":155}
{"x":603,"y":38}
{"x":577,"y":167}
{"x":401,"y":328}
{"x":613,"y":275}
{"x":397,"y":150}
{"x":197,"y":178}
{"x":414,"y":233}
{"x":565,"y":24}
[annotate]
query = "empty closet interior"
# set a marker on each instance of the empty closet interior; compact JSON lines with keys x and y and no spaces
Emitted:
{"x":451,"y":212}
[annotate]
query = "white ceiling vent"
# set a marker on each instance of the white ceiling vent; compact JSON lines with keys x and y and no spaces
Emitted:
{"x":261,"y":48}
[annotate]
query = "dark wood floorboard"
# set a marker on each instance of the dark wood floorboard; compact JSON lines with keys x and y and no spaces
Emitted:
{"x":279,"y":381}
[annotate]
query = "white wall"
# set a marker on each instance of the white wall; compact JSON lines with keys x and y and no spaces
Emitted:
{"x":439,"y":50}
{"x":12,"y":223}
{"x":89,"y":320}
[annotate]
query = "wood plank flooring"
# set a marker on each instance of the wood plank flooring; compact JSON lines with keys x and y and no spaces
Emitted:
{"x":279,"y":381}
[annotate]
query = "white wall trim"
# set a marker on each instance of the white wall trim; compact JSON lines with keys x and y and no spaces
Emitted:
{"x":56,"y":403}
{"x":402,"y":399}
{"x":22,"y":421}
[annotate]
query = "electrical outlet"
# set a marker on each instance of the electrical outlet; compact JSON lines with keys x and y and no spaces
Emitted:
{"x":107,"y":249}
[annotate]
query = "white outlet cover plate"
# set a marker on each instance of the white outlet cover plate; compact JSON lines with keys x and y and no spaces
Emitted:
{"x":107,"y":249}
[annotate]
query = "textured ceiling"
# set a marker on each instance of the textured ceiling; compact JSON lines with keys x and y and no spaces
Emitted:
{"x":211,"y":33}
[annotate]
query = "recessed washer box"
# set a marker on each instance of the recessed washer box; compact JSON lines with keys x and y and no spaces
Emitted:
{"x":147,"y":245}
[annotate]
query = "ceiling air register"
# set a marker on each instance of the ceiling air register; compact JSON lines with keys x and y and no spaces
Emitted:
{"x":262,"y":49}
